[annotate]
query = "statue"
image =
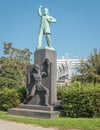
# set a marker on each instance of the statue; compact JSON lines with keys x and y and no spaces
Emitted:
{"x":35,"y":82}
{"x":45,"y":27}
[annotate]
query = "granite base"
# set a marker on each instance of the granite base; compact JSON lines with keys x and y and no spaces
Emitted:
{"x":34,"y":111}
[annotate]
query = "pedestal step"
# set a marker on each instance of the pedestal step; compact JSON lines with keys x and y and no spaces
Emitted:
{"x":32,"y":113}
{"x":36,"y":107}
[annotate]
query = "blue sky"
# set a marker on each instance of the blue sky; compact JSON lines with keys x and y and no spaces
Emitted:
{"x":77,"y":31}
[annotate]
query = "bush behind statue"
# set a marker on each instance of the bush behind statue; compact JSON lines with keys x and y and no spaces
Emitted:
{"x":80,"y":100}
{"x":11,"y":97}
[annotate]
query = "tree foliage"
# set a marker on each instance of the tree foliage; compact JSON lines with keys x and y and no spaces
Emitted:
{"x":13,"y":66}
{"x":13,"y":76}
{"x":23,"y":56}
{"x":89,"y":70}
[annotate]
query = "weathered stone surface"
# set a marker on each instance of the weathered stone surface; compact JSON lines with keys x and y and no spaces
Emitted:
{"x":50,"y":80}
{"x":36,"y":107}
{"x":32,"y":113}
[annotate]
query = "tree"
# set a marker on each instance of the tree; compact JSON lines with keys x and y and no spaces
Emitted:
{"x":15,"y":54}
{"x":89,"y":70}
{"x":13,"y":66}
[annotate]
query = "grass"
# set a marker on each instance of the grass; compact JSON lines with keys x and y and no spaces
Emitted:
{"x":60,"y":123}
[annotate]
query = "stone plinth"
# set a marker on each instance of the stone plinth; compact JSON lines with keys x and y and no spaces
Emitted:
{"x":50,"y":80}
{"x":34,"y":111}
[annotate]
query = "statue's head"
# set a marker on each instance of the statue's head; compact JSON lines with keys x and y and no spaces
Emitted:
{"x":46,"y":11}
{"x":36,"y":67}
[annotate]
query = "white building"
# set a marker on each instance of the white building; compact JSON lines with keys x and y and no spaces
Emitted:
{"x":66,"y":67}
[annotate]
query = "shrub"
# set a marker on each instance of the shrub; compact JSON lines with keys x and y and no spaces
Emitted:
{"x":22,"y":93}
{"x":10,"y":97}
{"x":10,"y":75}
{"x":80,"y":100}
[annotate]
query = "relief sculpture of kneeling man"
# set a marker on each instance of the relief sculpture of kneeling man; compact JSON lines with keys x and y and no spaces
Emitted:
{"x":36,"y":77}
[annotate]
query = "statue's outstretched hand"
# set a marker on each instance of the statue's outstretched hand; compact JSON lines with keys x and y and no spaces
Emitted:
{"x":40,"y":6}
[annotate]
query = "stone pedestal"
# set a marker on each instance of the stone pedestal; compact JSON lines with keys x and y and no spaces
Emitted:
{"x":46,"y":59}
{"x":35,"y":111}
{"x":50,"y":80}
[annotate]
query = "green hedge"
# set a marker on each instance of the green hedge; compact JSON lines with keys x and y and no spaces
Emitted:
{"x":80,"y":100}
{"x":11,"y":97}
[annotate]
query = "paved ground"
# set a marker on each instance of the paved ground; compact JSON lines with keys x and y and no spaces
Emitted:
{"x":9,"y":125}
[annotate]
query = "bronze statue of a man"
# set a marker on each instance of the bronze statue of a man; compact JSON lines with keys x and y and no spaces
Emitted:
{"x":46,"y":19}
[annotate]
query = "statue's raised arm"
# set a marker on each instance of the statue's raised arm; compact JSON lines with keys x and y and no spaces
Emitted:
{"x":39,"y":11}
